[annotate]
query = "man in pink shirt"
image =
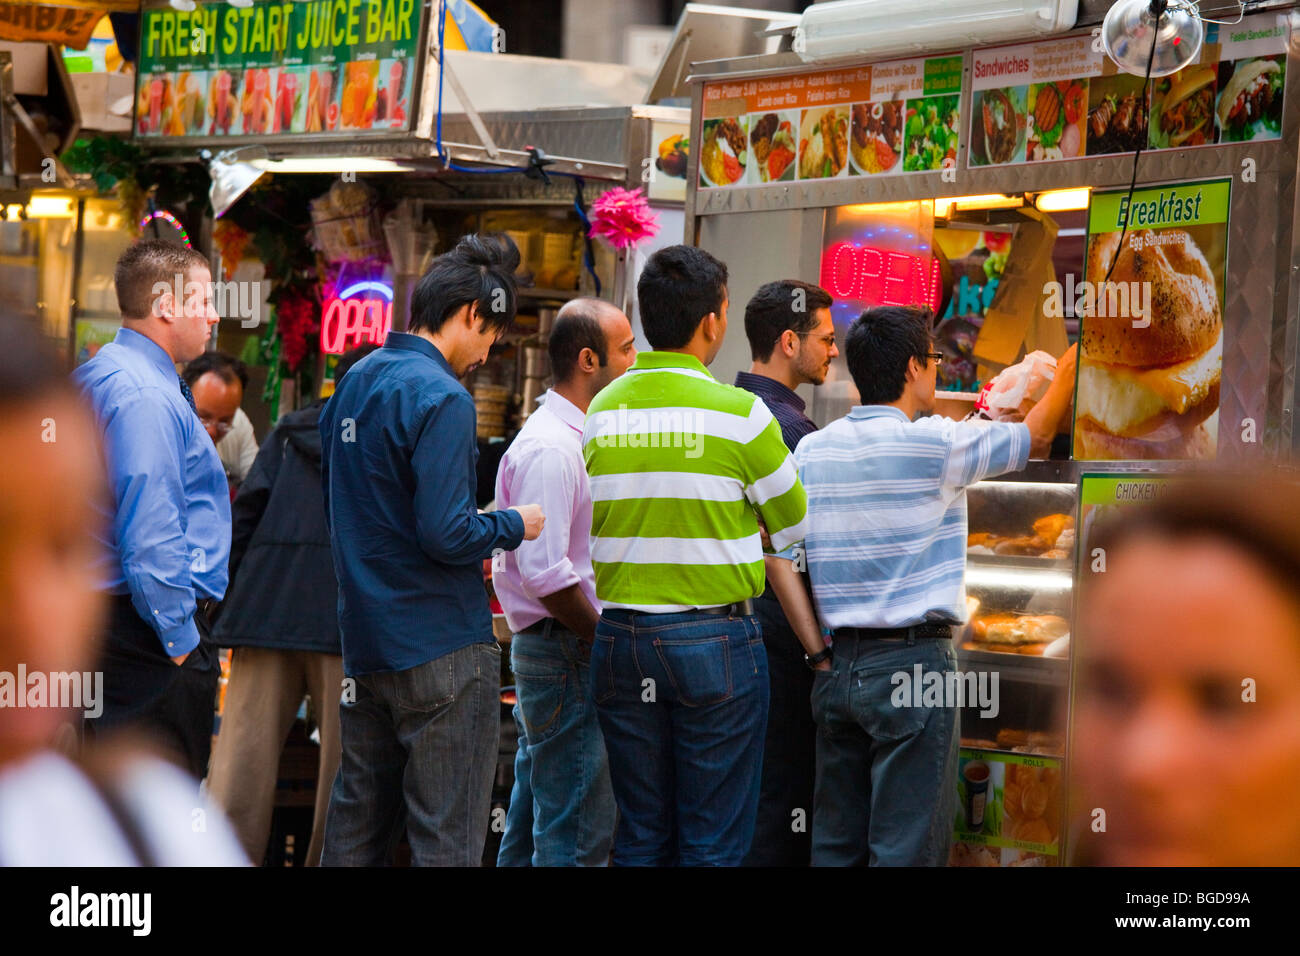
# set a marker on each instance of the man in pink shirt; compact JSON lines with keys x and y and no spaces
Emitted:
{"x":548,"y":591}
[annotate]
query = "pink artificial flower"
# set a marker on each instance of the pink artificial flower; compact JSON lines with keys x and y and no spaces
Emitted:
{"x":622,"y":217}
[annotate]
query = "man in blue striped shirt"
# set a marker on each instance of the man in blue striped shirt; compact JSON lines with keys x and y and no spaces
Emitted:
{"x":886,"y":553}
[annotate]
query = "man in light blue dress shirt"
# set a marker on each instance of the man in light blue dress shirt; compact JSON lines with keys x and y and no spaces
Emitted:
{"x":166,"y":534}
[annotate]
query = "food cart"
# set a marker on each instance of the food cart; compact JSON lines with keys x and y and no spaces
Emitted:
{"x":406,"y":147}
{"x":987,"y":182}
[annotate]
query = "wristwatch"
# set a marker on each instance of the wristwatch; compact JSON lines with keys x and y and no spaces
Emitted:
{"x":812,"y":660}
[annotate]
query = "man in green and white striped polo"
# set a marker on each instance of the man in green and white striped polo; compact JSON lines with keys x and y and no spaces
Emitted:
{"x":681,"y":468}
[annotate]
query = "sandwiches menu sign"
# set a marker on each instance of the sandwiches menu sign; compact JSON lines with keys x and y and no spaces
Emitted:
{"x":1151,"y":339}
{"x":1064,"y":98}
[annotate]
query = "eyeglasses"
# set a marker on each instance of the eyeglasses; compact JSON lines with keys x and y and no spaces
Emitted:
{"x":827,"y":340}
{"x":221,"y":428}
{"x":937,"y":356}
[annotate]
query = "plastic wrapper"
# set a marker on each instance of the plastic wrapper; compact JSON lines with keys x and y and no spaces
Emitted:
{"x":1015,"y":390}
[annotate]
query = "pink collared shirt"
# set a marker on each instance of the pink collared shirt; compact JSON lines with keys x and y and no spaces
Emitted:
{"x":544,"y":466}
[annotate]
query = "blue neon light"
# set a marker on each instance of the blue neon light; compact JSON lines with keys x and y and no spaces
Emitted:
{"x":369,"y":285}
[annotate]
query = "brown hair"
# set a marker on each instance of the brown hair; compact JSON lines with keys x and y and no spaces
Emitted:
{"x":147,"y":263}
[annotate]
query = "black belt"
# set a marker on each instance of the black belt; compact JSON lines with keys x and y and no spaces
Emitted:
{"x":207,"y":606}
{"x":928,"y":631}
{"x":737,"y":609}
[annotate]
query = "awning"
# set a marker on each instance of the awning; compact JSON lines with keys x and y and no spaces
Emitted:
{"x":69,"y":22}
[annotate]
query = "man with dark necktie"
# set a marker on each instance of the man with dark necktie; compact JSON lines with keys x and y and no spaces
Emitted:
{"x":166,"y":530}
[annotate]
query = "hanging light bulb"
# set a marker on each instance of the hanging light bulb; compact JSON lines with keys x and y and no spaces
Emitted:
{"x":1130,"y":28}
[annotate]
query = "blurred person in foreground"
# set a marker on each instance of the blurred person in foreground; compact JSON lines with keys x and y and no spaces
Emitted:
{"x":547,"y":590}
{"x":167,"y":530}
{"x":886,"y":557}
{"x":115,"y":806}
{"x":792,"y":342}
{"x":281,"y":617}
{"x":1187,"y":696}
{"x":420,"y":715}
{"x":218,"y":382}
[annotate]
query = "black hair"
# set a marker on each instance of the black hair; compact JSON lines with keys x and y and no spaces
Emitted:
{"x":577,"y":327}
{"x":678,"y":287}
{"x":225,"y":367}
{"x":879,"y":345}
{"x":480,"y":269}
{"x":350,"y":358}
{"x":146,"y":264}
{"x":30,"y":368}
{"x":772,"y":311}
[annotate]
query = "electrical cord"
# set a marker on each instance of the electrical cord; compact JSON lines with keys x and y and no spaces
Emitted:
{"x":537,"y":166}
{"x":1159,"y":7}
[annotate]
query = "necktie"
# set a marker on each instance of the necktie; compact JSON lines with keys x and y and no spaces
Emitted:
{"x":189,"y":396}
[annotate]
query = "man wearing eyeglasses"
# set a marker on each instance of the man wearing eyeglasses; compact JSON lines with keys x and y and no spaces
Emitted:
{"x":792,"y":342}
{"x":218,"y":382}
{"x":886,"y":554}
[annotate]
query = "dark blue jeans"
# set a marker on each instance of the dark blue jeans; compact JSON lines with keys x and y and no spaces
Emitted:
{"x":783,"y":832}
{"x":420,"y":747}
{"x":886,"y":775}
{"x":560,"y":769}
{"x":682,"y":700}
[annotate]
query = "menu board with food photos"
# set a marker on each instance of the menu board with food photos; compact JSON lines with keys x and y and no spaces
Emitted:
{"x":1064,"y":98}
{"x":268,"y":69}
{"x":1151,"y":308}
{"x":899,"y":116}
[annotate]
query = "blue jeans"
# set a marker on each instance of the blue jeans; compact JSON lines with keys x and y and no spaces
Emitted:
{"x":420,"y":747}
{"x":562,"y":761}
{"x":517,"y":842}
{"x":886,"y":775}
{"x":683,"y":700}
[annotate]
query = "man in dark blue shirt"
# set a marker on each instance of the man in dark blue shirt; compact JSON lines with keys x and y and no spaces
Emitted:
{"x":420,"y":712}
{"x":167,"y":529}
{"x":792,"y":341}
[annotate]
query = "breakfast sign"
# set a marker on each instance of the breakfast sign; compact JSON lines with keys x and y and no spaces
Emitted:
{"x":1065,"y":99}
{"x":893,"y":117}
{"x":277,"y":68}
{"x":1151,"y":338}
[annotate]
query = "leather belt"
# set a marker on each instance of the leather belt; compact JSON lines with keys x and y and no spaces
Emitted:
{"x":207,"y":606}
{"x":927,"y":631}
{"x":738,"y":609}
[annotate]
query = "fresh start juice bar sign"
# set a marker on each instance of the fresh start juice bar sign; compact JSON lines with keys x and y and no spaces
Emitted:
{"x":277,"y":68}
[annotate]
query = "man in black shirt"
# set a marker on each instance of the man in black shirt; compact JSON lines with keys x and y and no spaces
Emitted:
{"x":792,"y":341}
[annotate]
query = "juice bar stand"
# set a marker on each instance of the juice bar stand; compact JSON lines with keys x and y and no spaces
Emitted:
{"x":926,"y":169}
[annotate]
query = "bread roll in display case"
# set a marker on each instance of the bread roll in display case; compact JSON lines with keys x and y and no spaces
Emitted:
{"x":1013,"y":658}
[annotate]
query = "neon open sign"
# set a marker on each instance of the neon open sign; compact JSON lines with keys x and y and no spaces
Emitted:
{"x":875,"y":276}
{"x":363,"y":312}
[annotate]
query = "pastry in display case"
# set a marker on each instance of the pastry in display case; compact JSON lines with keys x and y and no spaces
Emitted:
{"x":1019,"y":584}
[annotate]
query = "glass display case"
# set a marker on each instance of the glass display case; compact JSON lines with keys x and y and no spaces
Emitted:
{"x":1013,"y":658}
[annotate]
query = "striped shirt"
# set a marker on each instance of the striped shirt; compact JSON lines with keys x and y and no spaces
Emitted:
{"x":886,"y":542}
{"x":679,"y":463}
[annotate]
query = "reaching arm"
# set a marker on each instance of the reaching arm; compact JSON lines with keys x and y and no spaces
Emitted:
{"x":1044,"y":419}
{"x":448,"y":524}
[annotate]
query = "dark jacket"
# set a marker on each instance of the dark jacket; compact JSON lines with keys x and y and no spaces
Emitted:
{"x":283,"y":594}
{"x":400,"y":481}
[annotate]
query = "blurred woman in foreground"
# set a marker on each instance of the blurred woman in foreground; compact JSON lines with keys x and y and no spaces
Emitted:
{"x":1187,"y":701}
{"x":118,"y":807}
